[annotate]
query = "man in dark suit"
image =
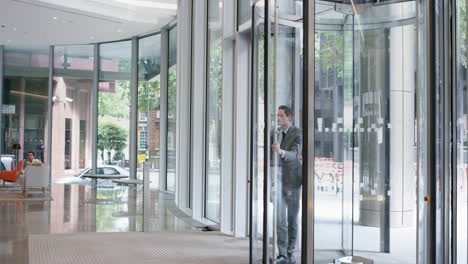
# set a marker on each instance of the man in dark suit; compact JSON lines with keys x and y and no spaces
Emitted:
{"x":288,"y":147}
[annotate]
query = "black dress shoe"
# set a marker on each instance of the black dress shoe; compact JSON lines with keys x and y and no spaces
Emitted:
{"x":281,"y":260}
{"x":291,"y":258}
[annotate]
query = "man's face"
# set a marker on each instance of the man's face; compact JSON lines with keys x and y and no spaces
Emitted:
{"x":30,"y":156}
{"x":283,"y":119}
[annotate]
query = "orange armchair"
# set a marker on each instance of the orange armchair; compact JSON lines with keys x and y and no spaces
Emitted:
{"x":12,"y":176}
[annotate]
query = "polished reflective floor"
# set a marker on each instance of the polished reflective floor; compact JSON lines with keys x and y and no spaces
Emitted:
{"x":78,"y":208}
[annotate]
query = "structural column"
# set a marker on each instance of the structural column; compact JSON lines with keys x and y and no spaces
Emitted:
{"x":184,"y":58}
{"x":199,"y":105}
{"x":134,"y":109}
{"x":402,"y":116}
{"x":163,"y":117}
{"x":21,"y":113}
{"x":94,"y":107}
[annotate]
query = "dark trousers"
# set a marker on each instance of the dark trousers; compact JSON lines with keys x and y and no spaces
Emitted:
{"x":286,"y":219}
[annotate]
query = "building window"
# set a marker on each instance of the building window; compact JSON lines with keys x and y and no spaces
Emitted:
{"x":143,"y":139}
{"x":68,"y":137}
{"x":143,"y":116}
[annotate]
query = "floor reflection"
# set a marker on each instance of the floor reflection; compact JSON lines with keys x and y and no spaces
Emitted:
{"x":80,"y":208}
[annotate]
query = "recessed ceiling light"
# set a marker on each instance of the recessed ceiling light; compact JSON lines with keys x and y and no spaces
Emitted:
{"x":54,"y":18}
{"x":119,"y":30}
{"x":9,"y":40}
{"x":14,"y":29}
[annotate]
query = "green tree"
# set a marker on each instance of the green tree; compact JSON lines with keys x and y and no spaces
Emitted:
{"x":463,"y":41}
{"x":111,"y":137}
{"x":216,"y":72}
{"x":112,"y":104}
{"x":329,"y":50}
{"x":148,"y":96}
{"x":172,"y":94}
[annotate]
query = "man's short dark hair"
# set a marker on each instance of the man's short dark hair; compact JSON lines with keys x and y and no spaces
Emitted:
{"x":286,"y":110}
{"x":31,"y":153}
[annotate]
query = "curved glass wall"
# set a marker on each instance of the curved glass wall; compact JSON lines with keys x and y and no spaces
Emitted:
{"x":114,"y":104}
{"x":71,"y":115}
{"x":172,"y":112}
{"x":214,"y":111}
{"x":149,"y":87}
{"x":30,"y":86}
{"x":257,"y":134}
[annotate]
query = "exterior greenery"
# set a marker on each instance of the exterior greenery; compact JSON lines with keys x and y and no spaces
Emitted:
{"x":462,"y":27}
{"x":111,"y":138}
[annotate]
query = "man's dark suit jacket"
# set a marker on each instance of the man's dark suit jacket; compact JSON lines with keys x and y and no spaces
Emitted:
{"x":291,"y":167}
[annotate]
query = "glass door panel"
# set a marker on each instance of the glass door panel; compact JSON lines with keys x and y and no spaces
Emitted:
{"x":345,"y":171}
{"x":365,"y":148}
{"x":276,"y":133}
{"x":284,"y":131}
{"x":333,"y":133}
{"x":149,"y":87}
{"x":364,"y":130}
{"x":71,"y":115}
{"x":384,"y":99}
{"x":258,"y":127}
{"x":172,"y":113}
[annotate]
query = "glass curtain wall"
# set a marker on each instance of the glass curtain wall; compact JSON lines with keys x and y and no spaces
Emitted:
{"x":257,"y":134}
{"x":461,"y":96}
{"x":172,"y":112}
{"x":284,"y":129}
{"x":71,"y":114}
{"x":24,"y":102}
{"x":214,"y":111}
{"x":148,"y":129}
{"x":114,"y":104}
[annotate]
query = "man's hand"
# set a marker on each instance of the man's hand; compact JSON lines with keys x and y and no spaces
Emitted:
{"x":34,"y":163}
{"x":275,"y":147}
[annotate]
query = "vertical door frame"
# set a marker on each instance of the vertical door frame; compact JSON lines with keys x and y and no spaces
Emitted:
{"x":266,"y":182}
{"x":95,"y":108}
{"x":308,"y":103}
{"x":49,"y":113}
{"x":253,"y":142}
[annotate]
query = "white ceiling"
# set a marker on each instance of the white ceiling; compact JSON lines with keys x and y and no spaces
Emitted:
{"x":46,"y":22}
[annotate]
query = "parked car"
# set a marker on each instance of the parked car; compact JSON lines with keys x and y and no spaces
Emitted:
{"x":105,"y":170}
